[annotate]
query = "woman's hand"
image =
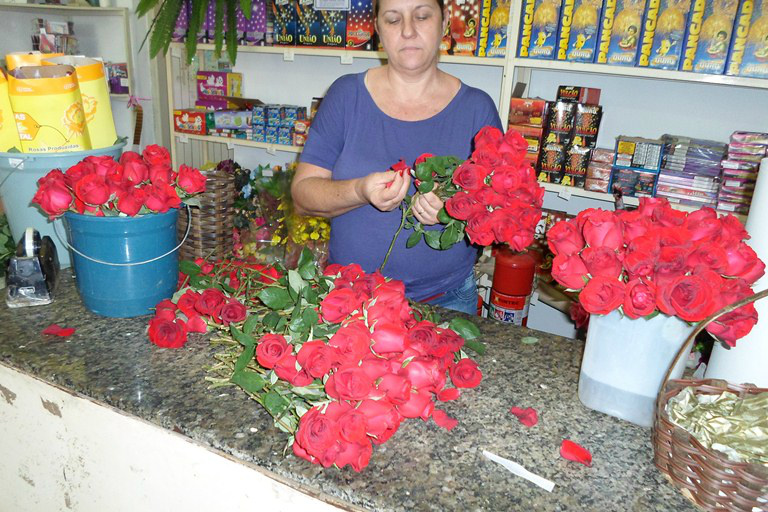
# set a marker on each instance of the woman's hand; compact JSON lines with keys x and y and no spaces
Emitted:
{"x":384,"y":190}
{"x":425,"y":208}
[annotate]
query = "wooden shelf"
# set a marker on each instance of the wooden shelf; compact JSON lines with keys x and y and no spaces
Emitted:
{"x":271,"y":148}
{"x":347,"y":56}
{"x":635,"y":72}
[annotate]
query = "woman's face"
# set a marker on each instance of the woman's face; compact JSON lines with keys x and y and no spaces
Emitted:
{"x":410,"y":31}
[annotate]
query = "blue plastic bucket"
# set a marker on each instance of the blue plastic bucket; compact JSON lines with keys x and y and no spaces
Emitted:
{"x":19,"y":173}
{"x":124,"y":266}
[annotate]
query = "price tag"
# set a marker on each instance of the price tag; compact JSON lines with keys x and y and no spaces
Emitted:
{"x":230,"y":145}
{"x":271,"y":150}
{"x":183,"y":138}
{"x":565,"y":194}
{"x":267,"y":173}
{"x":346,"y":58}
{"x":288,"y":55}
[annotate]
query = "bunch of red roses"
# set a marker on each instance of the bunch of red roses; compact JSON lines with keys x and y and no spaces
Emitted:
{"x":338,"y":359}
{"x":658,"y":259}
{"x":133,"y":185}
{"x":198,"y":305}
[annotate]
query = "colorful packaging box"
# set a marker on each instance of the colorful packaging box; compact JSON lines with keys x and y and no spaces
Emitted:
{"x":285,"y":135}
{"x":360,"y":26}
{"x":274,"y":115}
{"x":259,"y":132}
{"x":649,"y":29}
{"x":586,"y":95}
{"x":330,"y":28}
{"x":232,"y":119}
{"x":634,"y":183}
{"x":579,"y":25}
{"x":708,"y":37}
{"x":668,"y":36}
{"x":465,"y":26}
{"x":529,"y":111}
{"x":293,"y":113}
{"x":551,"y":163}
{"x":748,"y":55}
{"x":270,"y":134}
{"x":638,"y":153}
{"x":446,"y":43}
{"x":494,"y":20}
{"x":539,"y":24}
{"x":259,"y":114}
{"x":620,"y":29}
{"x":214,"y":85}
{"x":285,"y":19}
{"x":586,"y":124}
{"x":575,"y":166}
{"x":190,"y":120}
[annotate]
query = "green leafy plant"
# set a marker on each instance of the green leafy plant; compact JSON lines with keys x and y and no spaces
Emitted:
{"x":6,"y":243}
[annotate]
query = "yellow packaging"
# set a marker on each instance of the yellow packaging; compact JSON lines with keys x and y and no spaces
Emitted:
{"x":18,"y":59}
{"x":95,"y":95}
{"x":9,"y":137}
{"x":48,"y":109}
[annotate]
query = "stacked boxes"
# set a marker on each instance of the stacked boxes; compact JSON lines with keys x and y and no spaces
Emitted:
{"x":668,"y":35}
{"x":214,"y":86}
{"x":360,"y":25}
{"x":464,"y":26}
{"x":274,"y":124}
{"x":190,"y":121}
{"x":579,"y":26}
{"x":620,"y":29}
{"x":748,"y":55}
{"x":539,"y":24}
{"x":690,"y":172}
{"x":636,"y":166}
{"x":745,"y":151}
{"x":494,"y":21}
{"x":599,"y":170}
{"x":708,"y":36}
{"x":527,"y":115}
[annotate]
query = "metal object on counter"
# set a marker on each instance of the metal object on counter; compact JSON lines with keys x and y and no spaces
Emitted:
{"x":32,"y":271}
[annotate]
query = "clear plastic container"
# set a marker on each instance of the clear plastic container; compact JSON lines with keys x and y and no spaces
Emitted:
{"x":625,"y":360}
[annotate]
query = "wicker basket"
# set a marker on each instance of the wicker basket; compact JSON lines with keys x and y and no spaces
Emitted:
{"x":210,"y":233}
{"x":707,"y":477}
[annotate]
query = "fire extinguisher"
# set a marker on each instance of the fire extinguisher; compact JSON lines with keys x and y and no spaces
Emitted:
{"x":512,"y":286}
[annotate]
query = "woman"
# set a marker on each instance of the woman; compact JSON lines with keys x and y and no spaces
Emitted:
{"x":369,"y":121}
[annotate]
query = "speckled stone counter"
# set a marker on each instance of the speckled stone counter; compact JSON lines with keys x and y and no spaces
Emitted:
{"x":422,"y":467}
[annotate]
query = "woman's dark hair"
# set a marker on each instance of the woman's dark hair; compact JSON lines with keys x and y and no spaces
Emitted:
{"x":440,"y":4}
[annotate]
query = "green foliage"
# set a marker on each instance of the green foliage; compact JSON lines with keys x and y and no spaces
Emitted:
{"x":7,"y":247}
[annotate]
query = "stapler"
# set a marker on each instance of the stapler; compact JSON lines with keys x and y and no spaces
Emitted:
{"x":32,"y":271}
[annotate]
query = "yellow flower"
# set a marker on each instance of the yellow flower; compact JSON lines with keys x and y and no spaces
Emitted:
{"x":74,"y":119}
{"x":89,"y":105}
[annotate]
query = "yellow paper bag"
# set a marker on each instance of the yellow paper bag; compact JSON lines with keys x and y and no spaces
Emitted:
{"x":9,"y":137}
{"x":95,"y":95}
{"x":17,"y":59}
{"x":48,"y":109}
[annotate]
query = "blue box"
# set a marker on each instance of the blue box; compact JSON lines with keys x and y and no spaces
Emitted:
{"x":538,"y":32}
{"x":748,"y":55}
{"x":492,"y":38}
{"x":270,"y":134}
{"x":285,"y":135}
{"x":705,"y":48}
{"x":259,"y":114}
{"x":668,"y":36}
{"x":274,"y":115}
{"x":285,"y":20}
{"x":620,"y":29}
{"x":579,"y":30}
{"x":259,"y":132}
{"x":649,"y":29}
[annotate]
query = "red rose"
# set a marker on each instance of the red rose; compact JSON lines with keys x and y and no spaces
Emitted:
{"x":135,"y":171}
{"x":285,"y":368}
{"x":703,"y":225}
{"x":465,"y":374}
{"x":516,"y":143}
{"x":462,"y":206}
{"x":744,"y":263}
{"x":734,"y":325}
{"x":689,"y":297}
{"x":564,"y":238}
{"x":396,"y":388}
{"x":54,"y":198}
{"x":669,"y":217}
{"x":349,"y":383}
{"x":506,"y":229}
{"x":488,"y":198}
{"x":470,"y":176}
{"x":389,"y":291}
{"x":450,"y":338}
{"x":271,"y":348}
{"x":130,"y":200}
{"x":167,"y":333}
{"x":602,"y":261}
{"x":488,"y":136}
{"x":161,"y":197}
{"x":635,"y":224}
{"x":166,"y":309}
{"x":422,"y":158}
{"x":641,"y":256}
{"x":161,"y":173}
{"x":353,"y":425}
{"x":639,"y":299}
{"x":210,"y":301}
{"x":418,"y":405}
{"x":339,"y":304}
{"x":232,"y":312}
{"x":102,"y":165}
{"x":602,"y":295}
{"x":357,"y":455}
{"x":156,"y":155}
{"x":673,"y":237}
{"x":317,"y":433}
{"x":92,"y":189}
{"x":129,"y":156}
{"x":187,"y":303}
{"x":480,"y":229}
{"x":424,"y":338}
{"x":649,"y":205}
{"x":569,"y":271}
{"x":352,"y":341}
{"x":388,"y":336}
{"x":382,"y":417}
{"x":579,"y":315}
{"x":602,"y":229}
{"x":505,"y":179}
{"x":708,"y":255}
{"x":364,"y":285}
{"x":424,"y":373}
{"x":732,"y":230}
{"x":77,"y":171}
{"x":670,"y":264}
{"x":316,"y":357}
{"x":195,"y":323}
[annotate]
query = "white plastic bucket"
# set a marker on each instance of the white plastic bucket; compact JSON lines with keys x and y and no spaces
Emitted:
{"x":625,"y":361}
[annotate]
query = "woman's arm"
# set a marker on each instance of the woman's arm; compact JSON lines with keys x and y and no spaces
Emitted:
{"x":315,"y":193}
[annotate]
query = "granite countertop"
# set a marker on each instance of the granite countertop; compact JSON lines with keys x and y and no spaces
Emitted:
{"x":422,"y":467}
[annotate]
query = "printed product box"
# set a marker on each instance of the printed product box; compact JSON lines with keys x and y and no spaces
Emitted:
{"x":579,"y":25}
{"x":586,"y":124}
{"x":532,"y":134}
{"x":539,"y":22}
{"x":214,"y":85}
{"x":293,"y":113}
{"x":708,"y":36}
{"x":748,"y":55}
{"x":586,"y":95}
{"x":620,"y":30}
{"x":638,"y":153}
{"x":284,"y":18}
{"x":668,"y":36}
{"x":284,"y":135}
{"x":494,"y":20}
{"x":270,"y":134}
{"x":551,"y":163}
{"x":530,"y":111}
{"x":190,"y":121}
{"x":649,"y":29}
{"x":360,"y":26}
{"x":274,"y":115}
{"x":251,"y":32}
{"x":634,"y":183}
{"x":259,"y":114}
{"x":9,"y":136}
{"x":259,"y":132}
{"x":330,"y":28}
{"x":301,"y":126}
{"x":232,"y":119}
{"x":465,"y":25}
{"x":575,"y":166}
{"x":299,"y":139}
{"x":446,"y":43}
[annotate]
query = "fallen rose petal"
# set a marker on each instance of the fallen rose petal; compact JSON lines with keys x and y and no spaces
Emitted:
{"x":57,"y":330}
{"x":443,"y":420}
{"x":528,"y":417}
{"x":572,"y":451}
{"x":449,"y":394}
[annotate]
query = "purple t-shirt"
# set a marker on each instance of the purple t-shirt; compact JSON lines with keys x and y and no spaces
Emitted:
{"x":351,"y":137}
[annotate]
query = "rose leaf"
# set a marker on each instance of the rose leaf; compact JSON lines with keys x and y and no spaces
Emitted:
{"x":245,"y":340}
{"x":413,"y":239}
{"x":274,"y":298}
{"x":433,"y":239}
{"x":249,"y":380}
{"x":245,"y":358}
{"x":189,"y":268}
{"x":252,"y":320}
{"x":275,"y":403}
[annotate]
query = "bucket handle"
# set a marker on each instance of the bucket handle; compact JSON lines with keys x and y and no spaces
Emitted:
{"x":186,"y":234}
{"x":14,"y":169}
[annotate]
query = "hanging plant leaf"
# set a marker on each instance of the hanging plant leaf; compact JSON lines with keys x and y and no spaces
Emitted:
{"x":164,"y":23}
{"x":196,"y":16}
{"x":247,"y":7}
{"x":218,"y":36}
{"x":231,"y":34}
